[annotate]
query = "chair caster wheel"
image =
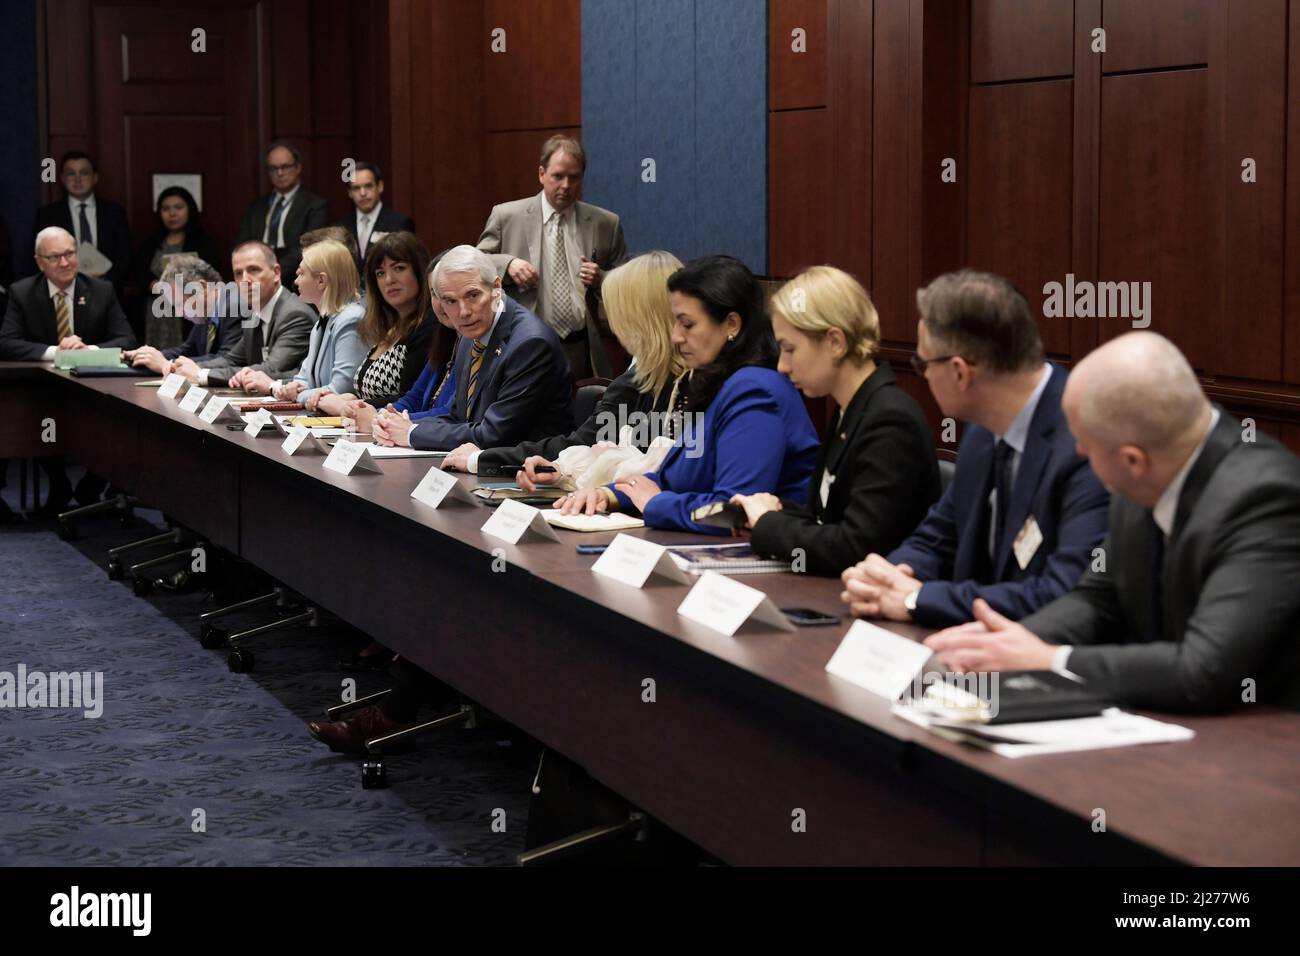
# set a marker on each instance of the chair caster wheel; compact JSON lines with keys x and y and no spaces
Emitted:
{"x":66,"y":532}
{"x":240,"y":661}
{"x":213,"y":638}
{"x":114,"y":569}
{"x":142,"y":587}
{"x":373,"y":774}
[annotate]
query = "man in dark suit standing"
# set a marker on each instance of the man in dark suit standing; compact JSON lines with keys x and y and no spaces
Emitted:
{"x":1019,"y":521}
{"x":372,"y":219}
{"x":59,"y":309}
{"x":280,"y":219}
{"x":196,"y":291}
{"x":89,"y":218}
{"x":1196,"y":605}
{"x":512,"y":380}
{"x":552,"y":253}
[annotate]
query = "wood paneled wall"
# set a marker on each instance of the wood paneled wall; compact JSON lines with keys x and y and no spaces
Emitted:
{"x":1122,"y":165}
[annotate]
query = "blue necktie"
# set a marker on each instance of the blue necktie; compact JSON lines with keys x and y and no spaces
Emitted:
{"x":273,"y":226}
{"x":86,"y":234}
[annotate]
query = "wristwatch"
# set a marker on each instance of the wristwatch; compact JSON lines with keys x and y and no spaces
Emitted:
{"x":909,"y":600}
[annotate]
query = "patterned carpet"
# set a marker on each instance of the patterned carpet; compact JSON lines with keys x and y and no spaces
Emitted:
{"x":180,"y":732}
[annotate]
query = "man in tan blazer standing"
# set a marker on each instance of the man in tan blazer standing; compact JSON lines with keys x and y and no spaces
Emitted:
{"x":552,"y":253}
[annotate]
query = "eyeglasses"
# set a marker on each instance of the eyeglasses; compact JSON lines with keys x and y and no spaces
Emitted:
{"x":284,"y":168}
{"x":919,"y":365}
{"x":59,"y":256}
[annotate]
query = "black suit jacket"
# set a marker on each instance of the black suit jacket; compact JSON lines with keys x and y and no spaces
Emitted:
{"x":880,"y":462}
{"x":523,"y":388}
{"x":390,"y":220}
{"x":229,"y":332}
{"x":113,"y":236}
{"x":308,"y":212}
{"x":29,"y":327}
{"x":1230,"y":588}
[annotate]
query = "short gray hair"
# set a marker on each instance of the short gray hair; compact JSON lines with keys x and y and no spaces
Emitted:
{"x":461,"y":260}
{"x":51,"y":232}
{"x":189,"y":268}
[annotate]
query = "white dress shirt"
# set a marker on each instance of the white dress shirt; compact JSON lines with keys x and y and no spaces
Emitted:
{"x":364,"y":231}
{"x":277,"y":241}
{"x":1163,"y":513}
{"x":74,"y":207}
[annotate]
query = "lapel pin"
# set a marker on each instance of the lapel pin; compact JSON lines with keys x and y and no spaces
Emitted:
{"x":81,"y":300}
{"x":497,"y":352}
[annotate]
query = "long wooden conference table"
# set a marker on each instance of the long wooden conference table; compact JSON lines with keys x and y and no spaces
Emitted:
{"x":744,"y":732}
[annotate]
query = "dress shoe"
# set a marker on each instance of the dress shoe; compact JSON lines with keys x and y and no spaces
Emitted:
{"x":178,"y":581}
{"x":350,"y":736}
{"x":376,"y":660}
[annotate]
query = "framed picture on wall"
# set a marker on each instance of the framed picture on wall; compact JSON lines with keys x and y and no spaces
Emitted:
{"x":191,"y":181}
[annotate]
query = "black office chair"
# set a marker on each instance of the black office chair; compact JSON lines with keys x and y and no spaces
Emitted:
{"x":947,"y":467}
{"x":586,"y":396}
{"x":292,"y":611}
{"x":123,"y":504}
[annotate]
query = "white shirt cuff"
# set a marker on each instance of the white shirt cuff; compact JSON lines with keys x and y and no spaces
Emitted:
{"x":1060,"y":659}
{"x":49,"y":354}
{"x":203,"y":376}
{"x":96,"y":347}
{"x":471,"y":465}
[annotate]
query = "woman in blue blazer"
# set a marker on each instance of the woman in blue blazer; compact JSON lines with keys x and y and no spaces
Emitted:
{"x":745,"y":428}
{"x":327,"y":279}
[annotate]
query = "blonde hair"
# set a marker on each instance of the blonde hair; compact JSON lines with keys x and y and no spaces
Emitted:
{"x":824,"y":298}
{"x":333,"y":259}
{"x":636,"y":304}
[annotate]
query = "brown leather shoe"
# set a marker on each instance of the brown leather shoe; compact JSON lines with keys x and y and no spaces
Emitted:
{"x":350,"y":736}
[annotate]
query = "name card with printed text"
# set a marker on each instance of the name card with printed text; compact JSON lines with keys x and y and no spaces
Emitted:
{"x":173,"y":385}
{"x":724,"y":605}
{"x":219,"y":411}
{"x":302,"y":442}
{"x":439,"y":486}
{"x":633,"y":560}
{"x":260,"y":420}
{"x":514,"y":519}
{"x":878,"y":660}
{"x":351,"y":457}
{"x":194,"y":399}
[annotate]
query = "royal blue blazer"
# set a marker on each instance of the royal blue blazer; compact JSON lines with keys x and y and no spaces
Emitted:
{"x":420,"y":403}
{"x":755,"y":436}
{"x":1053,"y":484}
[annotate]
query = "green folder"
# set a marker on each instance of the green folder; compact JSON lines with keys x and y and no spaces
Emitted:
{"x":87,"y":358}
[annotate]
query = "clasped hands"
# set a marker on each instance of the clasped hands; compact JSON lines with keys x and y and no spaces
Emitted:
{"x":991,"y":642}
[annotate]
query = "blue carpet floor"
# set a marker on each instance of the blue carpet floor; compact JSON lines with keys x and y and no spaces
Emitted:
{"x":179,"y":733}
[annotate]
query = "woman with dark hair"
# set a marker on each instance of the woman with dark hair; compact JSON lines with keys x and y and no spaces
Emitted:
{"x":398,"y":327}
{"x":745,"y":428}
{"x":180,"y":229}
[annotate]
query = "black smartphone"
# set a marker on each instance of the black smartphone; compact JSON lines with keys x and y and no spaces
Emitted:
{"x":807,"y":617}
{"x":592,"y":548}
{"x":720,"y":514}
{"x":545,"y":469}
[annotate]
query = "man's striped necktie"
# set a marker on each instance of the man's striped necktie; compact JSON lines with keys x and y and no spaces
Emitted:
{"x":62,"y":315}
{"x":475,"y":363}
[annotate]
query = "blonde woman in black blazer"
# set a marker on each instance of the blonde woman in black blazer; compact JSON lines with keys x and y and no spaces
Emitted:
{"x":876,"y":474}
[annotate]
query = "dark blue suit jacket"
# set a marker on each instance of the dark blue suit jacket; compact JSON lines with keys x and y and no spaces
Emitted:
{"x":523,"y":389}
{"x":1053,"y":484}
{"x":229,"y":332}
{"x":755,"y":436}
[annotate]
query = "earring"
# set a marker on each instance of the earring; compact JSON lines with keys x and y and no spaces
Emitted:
{"x":731,"y":337}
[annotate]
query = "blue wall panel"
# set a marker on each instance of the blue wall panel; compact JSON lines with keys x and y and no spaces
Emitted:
{"x":682,"y":82}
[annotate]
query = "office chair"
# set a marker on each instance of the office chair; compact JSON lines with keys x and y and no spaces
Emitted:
{"x":293,"y":613}
{"x":586,"y":396}
{"x":124,"y":504}
{"x":947,"y":467}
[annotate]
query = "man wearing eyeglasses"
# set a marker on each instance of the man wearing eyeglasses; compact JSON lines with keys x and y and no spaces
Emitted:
{"x":280,"y":219}
{"x":1019,"y":522}
{"x":59,"y":309}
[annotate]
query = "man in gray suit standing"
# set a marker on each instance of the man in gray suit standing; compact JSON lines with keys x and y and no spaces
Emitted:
{"x":552,"y":253}
{"x":1193,"y":604}
{"x":276,"y":326}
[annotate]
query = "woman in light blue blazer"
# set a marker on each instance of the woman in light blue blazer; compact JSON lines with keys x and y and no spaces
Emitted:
{"x":327,"y":279}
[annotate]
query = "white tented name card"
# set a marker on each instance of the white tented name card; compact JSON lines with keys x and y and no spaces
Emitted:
{"x":259,"y":420}
{"x":172,"y":385}
{"x":513,"y":519}
{"x":724,"y":604}
{"x":351,"y":457}
{"x":219,"y":411}
{"x":878,"y":660}
{"x":194,"y":399}
{"x":302,"y":442}
{"x":439,"y":486}
{"x":633,"y":561}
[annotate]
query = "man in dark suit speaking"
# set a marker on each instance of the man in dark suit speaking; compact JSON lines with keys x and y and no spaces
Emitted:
{"x":280,"y":219}
{"x":59,"y":309}
{"x":1197,"y":605}
{"x":512,"y":379}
